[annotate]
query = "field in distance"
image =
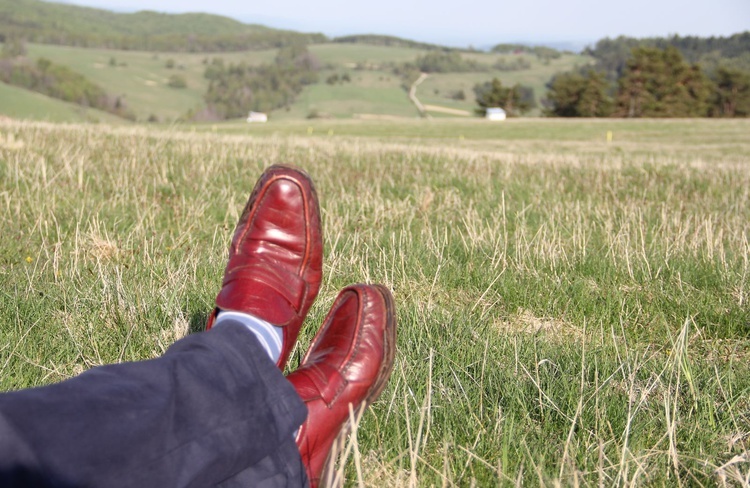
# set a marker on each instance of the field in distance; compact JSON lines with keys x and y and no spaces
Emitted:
{"x":143,"y":77}
{"x":571,"y":311}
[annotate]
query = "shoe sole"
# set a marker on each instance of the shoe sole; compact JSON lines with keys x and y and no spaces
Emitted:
{"x":389,"y":354}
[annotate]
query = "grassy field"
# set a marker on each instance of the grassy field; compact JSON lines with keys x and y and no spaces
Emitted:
{"x":437,"y":88}
{"x":142,"y":78}
{"x":571,"y":311}
{"x":24,"y":104}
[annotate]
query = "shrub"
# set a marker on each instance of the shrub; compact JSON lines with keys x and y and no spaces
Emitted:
{"x":177,"y":81}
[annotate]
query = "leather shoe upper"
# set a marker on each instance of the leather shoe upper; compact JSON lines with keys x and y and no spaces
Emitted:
{"x":349,"y":363}
{"x":276,"y":257}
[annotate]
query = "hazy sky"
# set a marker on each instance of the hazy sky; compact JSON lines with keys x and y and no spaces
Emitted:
{"x":477,"y":22}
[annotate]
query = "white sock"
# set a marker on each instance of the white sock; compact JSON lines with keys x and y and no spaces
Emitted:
{"x":269,"y":336}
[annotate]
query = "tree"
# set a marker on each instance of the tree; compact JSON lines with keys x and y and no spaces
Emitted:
{"x":515,"y":100}
{"x":237,"y":88}
{"x":177,"y":81}
{"x":732,"y":94}
{"x":659,"y":83}
{"x":575,"y":94}
{"x":13,"y":47}
{"x":446,"y":62}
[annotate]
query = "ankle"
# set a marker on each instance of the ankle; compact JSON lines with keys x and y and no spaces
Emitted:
{"x":270,"y":337}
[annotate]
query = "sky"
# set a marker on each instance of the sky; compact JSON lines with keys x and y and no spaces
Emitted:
{"x":479,"y":23}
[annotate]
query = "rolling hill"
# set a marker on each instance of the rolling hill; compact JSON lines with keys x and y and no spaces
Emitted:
{"x":72,"y":25}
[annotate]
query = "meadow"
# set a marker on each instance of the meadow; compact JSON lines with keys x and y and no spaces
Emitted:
{"x":571,"y":311}
{"x":142,"y":80}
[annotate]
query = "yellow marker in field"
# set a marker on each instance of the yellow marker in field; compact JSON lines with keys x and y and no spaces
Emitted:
{"x":609,"y":136}
{"x":330,"y":132}
{"x":309,"y":131}
{"x":461,"y":137}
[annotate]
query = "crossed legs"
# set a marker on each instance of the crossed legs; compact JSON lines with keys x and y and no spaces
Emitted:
{"x":215,"y":409}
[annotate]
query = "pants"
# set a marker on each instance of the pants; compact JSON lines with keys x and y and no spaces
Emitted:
{"x":212,"y":411}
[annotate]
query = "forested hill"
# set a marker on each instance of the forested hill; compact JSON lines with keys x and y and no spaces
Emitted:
{"x":54,"y":23}
{"x":390,"y":41}
{"x":710,"y":52}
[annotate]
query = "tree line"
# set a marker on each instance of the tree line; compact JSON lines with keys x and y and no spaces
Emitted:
{"x":654,"y":82}
{"x":168,"y":42}
{"x":612,"y":55}
{"x":544,"y":53}
{"x":515,"y":100}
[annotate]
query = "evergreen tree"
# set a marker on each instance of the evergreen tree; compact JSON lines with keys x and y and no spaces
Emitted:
{"x":732,"y":94}
{"x":515,"y":100}
{"x":579,"y":95}
{"x":659,"y":83}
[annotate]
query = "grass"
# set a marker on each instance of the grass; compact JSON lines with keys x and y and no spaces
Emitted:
{"x":347,"y":100}
{"x":437,"y":88}
{"x":348,"y":55}
{"x":19,"y":103}
{"x":142,"y":77}
{"x":570,"y":311}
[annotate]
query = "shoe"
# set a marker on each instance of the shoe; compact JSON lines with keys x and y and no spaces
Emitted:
{"x":276,"y":257}
{"x":349,"y":363}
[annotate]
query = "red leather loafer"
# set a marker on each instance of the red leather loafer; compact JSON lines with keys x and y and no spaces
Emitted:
{"x":276,"y":258}
{"x":348,"y":363}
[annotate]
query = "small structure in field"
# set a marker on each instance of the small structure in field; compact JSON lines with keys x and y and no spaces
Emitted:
{"x":257,"y":117}
{"x":495,"y":113}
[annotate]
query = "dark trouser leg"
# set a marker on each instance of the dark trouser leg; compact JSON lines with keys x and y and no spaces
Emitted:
{"x":212,"y":409}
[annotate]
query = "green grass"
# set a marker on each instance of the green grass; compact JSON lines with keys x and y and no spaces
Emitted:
{"x":570,"y":311}
{"x":348,"y":55}
{"x":536,"y":77}
{"x":143,"y":76}
{"x":673,"y":138}
{"x":23,"y":104}
{"x":347,"y":100}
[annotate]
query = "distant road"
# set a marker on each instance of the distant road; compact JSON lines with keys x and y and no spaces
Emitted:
{"x":447,"y":110}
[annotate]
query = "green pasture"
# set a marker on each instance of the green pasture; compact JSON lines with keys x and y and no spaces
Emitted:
{"x":572,"y":311}
{"x":349,"y":55}
{"x":24,"y":104}
{"x":142,"y":77}
{"x":688,"y":138}
{"x":438,"y":87}
{"x":350,"y":99}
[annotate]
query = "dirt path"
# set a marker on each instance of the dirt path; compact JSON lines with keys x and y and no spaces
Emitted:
{"x":413,"y":96}
{"x":447,"y":110}
{"x":423,"y":109}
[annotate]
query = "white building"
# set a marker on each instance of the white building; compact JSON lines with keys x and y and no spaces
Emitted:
{"x":495,"y":113}
{"x":257,"y":117}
